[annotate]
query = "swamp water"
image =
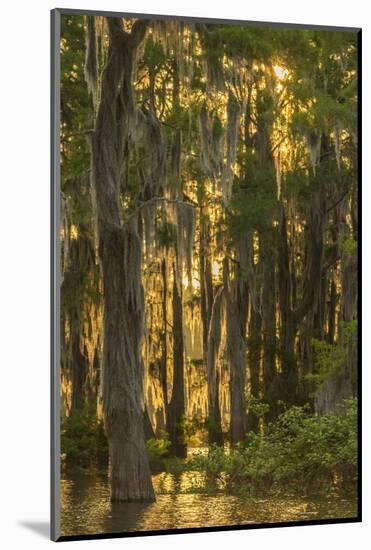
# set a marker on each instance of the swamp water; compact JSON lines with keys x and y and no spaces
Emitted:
{"x":182,"y":503}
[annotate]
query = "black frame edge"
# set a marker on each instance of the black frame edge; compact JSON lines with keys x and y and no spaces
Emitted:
{"x":247,"y":527}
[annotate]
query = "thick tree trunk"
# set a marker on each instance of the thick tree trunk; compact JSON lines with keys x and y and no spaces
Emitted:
{"x":255,"y":350}
{"x":287,"y":382}
{"x":207,"y":298}
{"x":163,"y":371}
{"x":177,"y":404}
{"x":130,"y":483}
{"x":236,"y":319}
{"x":210,"y":319}
{"x":215,"y":432}
{"x":120,"y":255}
{"x":238,"y":375}
{"x":123,"y":366}
{"x":269,"y":322}
{"x":343,"y":383}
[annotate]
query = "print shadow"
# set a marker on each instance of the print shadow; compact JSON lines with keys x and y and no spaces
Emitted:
{"x":41,"y":528}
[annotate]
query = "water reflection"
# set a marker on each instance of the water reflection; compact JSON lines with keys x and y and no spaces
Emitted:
{"x":182,"y":503}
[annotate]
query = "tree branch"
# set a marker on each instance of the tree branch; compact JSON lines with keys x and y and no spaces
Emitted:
{"x":337,"y":202}
{"x":153,"y":200}
{"x":138,"y":31}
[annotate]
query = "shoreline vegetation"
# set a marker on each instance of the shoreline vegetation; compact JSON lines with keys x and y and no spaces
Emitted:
{"x":298,"y":453}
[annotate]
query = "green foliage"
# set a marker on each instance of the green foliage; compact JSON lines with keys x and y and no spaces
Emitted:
{"x":76,"y":107}
{"x":350,"y":248}
{"x":217,"y":128}
{"x":158,"y":454}
{"x":158,"y":447}
{"x":154,"y":56}
{"x":300,"y":450}
{"x":80,"y":284}
{"x":74,"y":288}
{"x":254,"y":207}
{"x":83,"y":441}
{"x":329,"y":358}
{"x":166,"y":235}
{"x":249,"y":42}
{"x":257,"y":407}
{"x":296,"y":184}
{"x":192,"y":430}
{"x":78,"y":201}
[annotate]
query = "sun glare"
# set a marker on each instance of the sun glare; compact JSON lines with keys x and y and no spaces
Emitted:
{"x":215,"y":268}
{"x":280,"y":72}
{"x":195,"y":283}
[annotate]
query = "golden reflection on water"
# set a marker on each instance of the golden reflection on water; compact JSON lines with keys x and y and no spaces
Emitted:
{"x":181,"y":503}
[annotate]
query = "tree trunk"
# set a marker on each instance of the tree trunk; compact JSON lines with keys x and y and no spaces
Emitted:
{"x":235,"y":314}
{"x":207,"y":293}
{"x":210,"y":318}
{"x":79,"y":366}
{"x":255,"y":349}
{"x":120,"y":256}
{"x":332,"y":313}
{"x":269,"y":322}
{"x":123,"y":366}
{"x":287,"y":382}
{"x":147,"y":426}
{"x":163,"y":371}
{"x":177,"y":404}
{"x":213,"y":372}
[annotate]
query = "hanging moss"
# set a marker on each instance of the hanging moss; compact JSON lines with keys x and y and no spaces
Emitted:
{"x":337,"y":142}
{"x":186,"y":223}
{"x":211,"y":141}
{"x":233,"y":118}
{"x":314,"y":144}
{"x":91,"y":59}
{"x":174,"y":166}
{"x":213,"y":51}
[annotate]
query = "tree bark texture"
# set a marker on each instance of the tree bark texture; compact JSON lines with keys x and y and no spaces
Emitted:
{"x":177,"y":403}
{"x":120,"y":256}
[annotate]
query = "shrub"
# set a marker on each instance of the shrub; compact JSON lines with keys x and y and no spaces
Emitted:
{"x":330,"y":358}
{"x":83,"y":441}
{"x":298,"y":450}
{"x":158,"y":449}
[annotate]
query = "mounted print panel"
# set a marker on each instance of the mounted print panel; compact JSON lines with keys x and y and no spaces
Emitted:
{"x":205,"y":287}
